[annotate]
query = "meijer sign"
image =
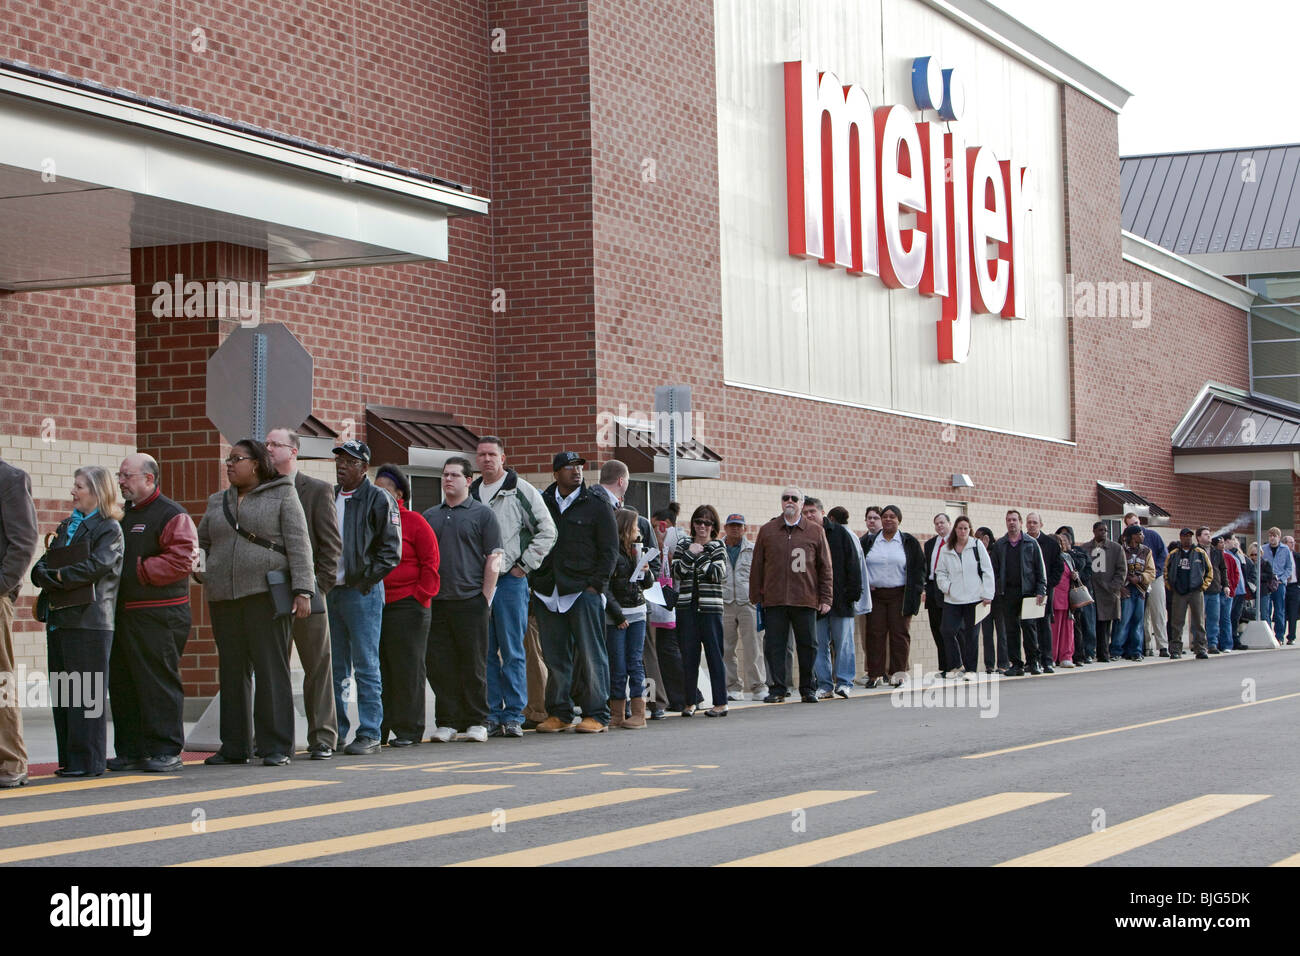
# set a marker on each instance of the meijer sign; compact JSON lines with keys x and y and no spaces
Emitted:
{"x":873,"y":192}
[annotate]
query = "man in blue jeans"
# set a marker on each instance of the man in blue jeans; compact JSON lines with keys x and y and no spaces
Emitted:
{"x":1273,"y":606}
{"x":1214,"y":592}
{"x":835,"y":630}
{"x":570,"y":590}
{"x":1140,"y":573}
{"x":527,"y":536}
{"x":371,"y":529}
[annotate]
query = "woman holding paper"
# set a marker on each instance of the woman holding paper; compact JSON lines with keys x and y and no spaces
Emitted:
{"x":78,"y":576}
{"x":964,"y":575}
{"x":625,"y":614}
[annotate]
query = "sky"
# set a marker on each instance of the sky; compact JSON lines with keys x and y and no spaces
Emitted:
{"x":1204,"y":74}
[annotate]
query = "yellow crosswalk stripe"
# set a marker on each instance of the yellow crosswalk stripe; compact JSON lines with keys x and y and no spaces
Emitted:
{"x":1138,"y":832}
{"x":1118,"y":730}
{"x":666,"y":830}
{"x":145,"y":803}
{"x":1293,"y":860}
{"x":423,"y":831}
{"x":895,"y":831}
{"x":94,"y":784}
{"x":37,"y":851}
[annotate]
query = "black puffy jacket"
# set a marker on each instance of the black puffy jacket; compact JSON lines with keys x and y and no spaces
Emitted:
{"x":103,"y":569}
{"x":372,"y":536}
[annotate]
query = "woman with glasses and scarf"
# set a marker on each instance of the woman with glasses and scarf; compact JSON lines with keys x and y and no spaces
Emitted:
{"x":699,"y":569}
{"x":255,"y":526}
{"x":77,"y":603}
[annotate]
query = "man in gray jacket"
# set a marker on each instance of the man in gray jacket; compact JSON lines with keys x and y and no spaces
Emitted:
{"x":740,"y":646}
{"x":527,"y":536}
{"x":17,"y":548}
{"x":311,"y":634}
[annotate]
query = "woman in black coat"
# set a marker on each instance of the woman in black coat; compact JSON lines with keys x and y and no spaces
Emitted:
{"x":78,"y":576}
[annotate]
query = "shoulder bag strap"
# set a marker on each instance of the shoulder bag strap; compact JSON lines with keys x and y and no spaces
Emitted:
{"x":248,"y":535}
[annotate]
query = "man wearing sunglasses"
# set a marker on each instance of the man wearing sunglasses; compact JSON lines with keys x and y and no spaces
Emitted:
{"x":791,"y":577}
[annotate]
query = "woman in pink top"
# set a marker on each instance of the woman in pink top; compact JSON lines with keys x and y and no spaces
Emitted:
{"x":1062,"y":619}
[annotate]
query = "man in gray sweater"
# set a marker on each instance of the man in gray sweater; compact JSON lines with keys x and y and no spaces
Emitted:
{"x":17,"y":548}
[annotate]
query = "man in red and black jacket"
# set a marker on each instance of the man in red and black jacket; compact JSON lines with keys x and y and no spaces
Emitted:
{"x":152,"y":624}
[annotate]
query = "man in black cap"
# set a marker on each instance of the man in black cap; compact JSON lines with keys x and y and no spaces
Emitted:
{"x":371,"y":529}
{"x":569,"y":587}
{"x":1188,"y":573}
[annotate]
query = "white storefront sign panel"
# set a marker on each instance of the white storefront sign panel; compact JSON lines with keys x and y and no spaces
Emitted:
{"x":799,"y":325}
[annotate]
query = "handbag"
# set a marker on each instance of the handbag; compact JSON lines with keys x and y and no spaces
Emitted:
{"x":1080,"y":597}
{"x":277,"y":582}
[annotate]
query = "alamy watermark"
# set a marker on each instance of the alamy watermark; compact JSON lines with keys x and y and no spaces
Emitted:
{"x":637,"y":429}
{"x":213,"y":299}
{"x":975,"y":691}
{"x":1085,"y":299}
{"x":71,"y":689}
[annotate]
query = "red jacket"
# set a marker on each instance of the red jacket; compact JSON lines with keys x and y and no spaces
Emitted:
{"x":417,"y":573}
{"x":1232,"y":571}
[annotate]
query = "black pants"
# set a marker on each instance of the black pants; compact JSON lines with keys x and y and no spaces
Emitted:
{"x":1018,"y":630}
{"x":1103,"y":640}
{"x":144,"y":681}
{"x":698,"y":629}
{"x":994,"y":628}
{"x":1042,"y":629}
{"x":251,"y":640}
{"x":779,"y":619}
{"x":78,"y":666}
{"x":1292,"y":610}
{"x":960,"y":637}
{"x":668,"y":651}
{"x":456,"y":659}
{"x":934,"y":611}
{"x":403,"y":642}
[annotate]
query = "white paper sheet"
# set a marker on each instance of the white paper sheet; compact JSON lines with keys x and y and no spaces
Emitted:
{"x":1030,"y":609}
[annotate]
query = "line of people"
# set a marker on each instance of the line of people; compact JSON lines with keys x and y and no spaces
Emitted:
{"x":558,"y":610}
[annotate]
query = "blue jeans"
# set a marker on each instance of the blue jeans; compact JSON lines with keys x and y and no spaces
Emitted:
{"x":507,"y":675}
{"x":356,"y":620}
{"x":1212,"y":619}
{"x":626,"y":660}
{"x":834,"y":636}
{"x":573,"y":646}
{"x":1273,"y":610}
{"x":1225,"y":622}
{"x":1127,"y":639}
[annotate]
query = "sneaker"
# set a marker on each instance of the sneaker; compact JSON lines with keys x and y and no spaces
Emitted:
{"x":811,"y":698}
{"x":862,"y":680}
{"x":478,"y":734}
{"x":512,"y":729}
{"x":733,"y":696}
{"x":362,"y":745}
{"x":125,"y":763}
{"x":495,"y":730}
{"x":774,"y":699}
{"x":824,"y":694}
{"x":956,"y":673}
{"x":874,"y":682}
{"x":1048,"y":669}
{"x":1033,"y":670}
{"x":321,"y":753}
{"x":1066,"y":664}
{"x":442,"y":735}
{"x":898,"y":679}
{"x":843,"y":690}
{"x":758,"y":694}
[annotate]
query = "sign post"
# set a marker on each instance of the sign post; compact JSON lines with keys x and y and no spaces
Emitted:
{"x":1259,"y":633}
{"x":672,"y":425}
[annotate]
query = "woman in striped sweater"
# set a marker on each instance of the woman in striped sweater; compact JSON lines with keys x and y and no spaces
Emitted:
{"x":699,"y":567}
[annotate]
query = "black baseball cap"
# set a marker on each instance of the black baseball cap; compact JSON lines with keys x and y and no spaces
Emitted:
{"x":357,"y":449}
{"x":564,"y":458}
{"x":1186,"y":531}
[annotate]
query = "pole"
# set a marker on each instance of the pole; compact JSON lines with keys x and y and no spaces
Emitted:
{"x":672,"y":445}
{"x":259,"y":386}
{"x":1259,"y":571}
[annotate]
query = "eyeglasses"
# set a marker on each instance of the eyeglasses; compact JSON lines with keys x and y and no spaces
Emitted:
{"x":236,"y":459}
{"x":278,"y":444}
{"x":704,"y":521}
{"x":789,"y":497}
{"x":123,"y":476}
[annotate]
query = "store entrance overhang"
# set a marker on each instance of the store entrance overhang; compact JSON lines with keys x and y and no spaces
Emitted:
{"x":647,"y":459}
{"x":416,"y":436}
{"x":1232,"y":434}
{"x":88,"y":173}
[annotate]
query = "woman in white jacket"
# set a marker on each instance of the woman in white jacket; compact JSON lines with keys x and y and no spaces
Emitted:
{"x":965,"y":577}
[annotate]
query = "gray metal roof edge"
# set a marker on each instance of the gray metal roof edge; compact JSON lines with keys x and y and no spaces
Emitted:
{"x":1238,"y":396}
{"x":1156,"y":258}
{"x":1003,"y":30}
{"x":1249,"y":261}
{"x":1197,"y":152}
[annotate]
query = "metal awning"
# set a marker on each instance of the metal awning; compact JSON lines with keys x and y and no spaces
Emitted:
{"x":316,"y":440}
{"x":416,"y":436}
{"x":88,"y":172}
{"x":646,"y":458}
{"x":1115,"y":501}
{"x":1232,"y":433}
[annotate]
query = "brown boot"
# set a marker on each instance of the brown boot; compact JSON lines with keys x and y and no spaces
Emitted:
{"x":552,"y":725}
{"x":637,"y":720}
{"x":617,"y":709}
{"x":590,"y":725}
